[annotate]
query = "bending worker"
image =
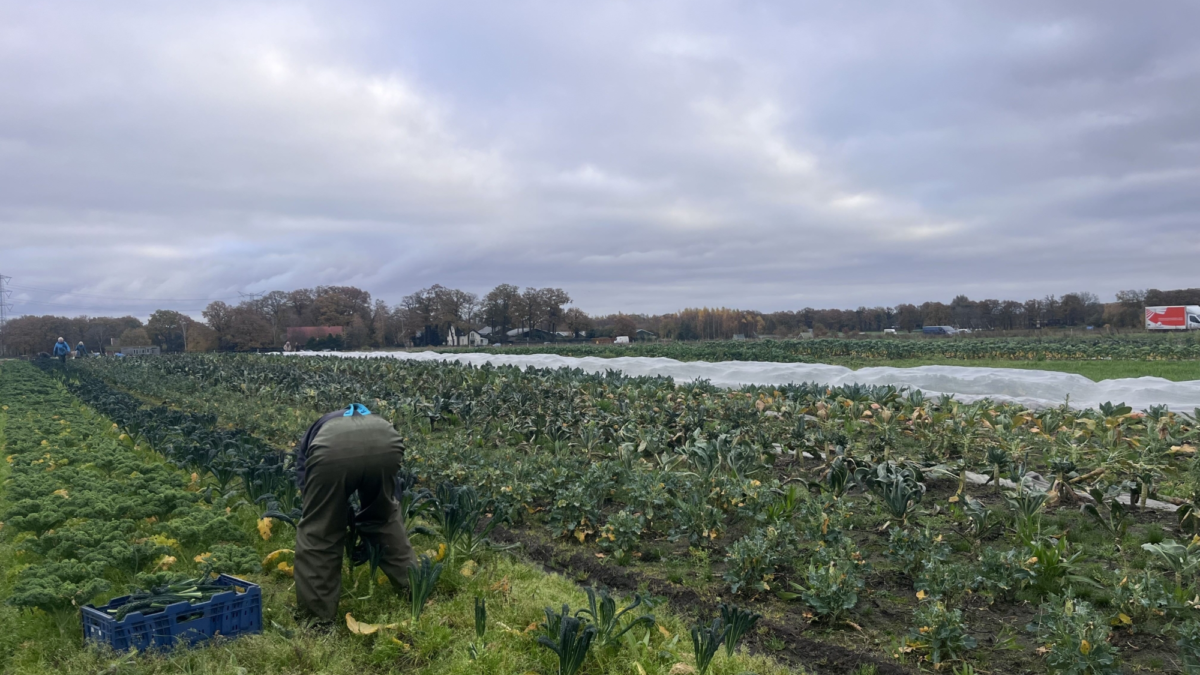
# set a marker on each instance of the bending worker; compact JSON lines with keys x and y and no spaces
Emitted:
{"x":61,"y":349}
{"x":344,"y":452}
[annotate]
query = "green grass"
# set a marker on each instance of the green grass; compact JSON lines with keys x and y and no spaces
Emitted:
{"x":1177,"y":371}
{"x":42,"y":643}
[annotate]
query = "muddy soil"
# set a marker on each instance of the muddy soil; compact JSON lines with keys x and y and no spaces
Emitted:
{"x":816,"y":656}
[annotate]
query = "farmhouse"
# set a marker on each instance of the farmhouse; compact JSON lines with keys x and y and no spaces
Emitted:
{"x":299,"y":335}
{"x":534,"y":335}
{"x":471,"y":338}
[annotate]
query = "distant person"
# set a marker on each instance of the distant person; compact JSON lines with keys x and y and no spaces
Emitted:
{"x":80,"y":350}
{"x":61,"y":349}
{"x":287,"y":346}
{"x":102,"y":350}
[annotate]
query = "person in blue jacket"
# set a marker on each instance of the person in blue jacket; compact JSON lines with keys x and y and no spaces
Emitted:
{"x":80,"y":350}
{"x":61,"y":349}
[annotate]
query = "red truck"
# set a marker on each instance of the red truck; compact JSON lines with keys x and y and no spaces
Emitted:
{"x":1173,"y":317}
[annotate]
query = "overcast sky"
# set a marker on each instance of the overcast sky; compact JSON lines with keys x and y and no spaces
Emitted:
{"x":644,"y":156}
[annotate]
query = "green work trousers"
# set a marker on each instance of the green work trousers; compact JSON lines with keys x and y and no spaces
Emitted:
{"x":360,"y":453}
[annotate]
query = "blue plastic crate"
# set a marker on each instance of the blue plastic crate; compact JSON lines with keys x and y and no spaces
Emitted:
{"x":227,"y":614}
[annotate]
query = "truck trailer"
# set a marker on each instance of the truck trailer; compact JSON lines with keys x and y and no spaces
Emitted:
{"x":1173,"y":317}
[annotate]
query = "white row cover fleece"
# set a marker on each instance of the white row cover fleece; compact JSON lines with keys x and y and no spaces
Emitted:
{"x":1032,"y":388}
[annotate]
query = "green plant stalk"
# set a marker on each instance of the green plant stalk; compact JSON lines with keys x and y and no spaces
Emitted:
{"x":572,"y":643}
{"x":422,"y":578}
{"x":740,"y":621}
{"x":706,"y":640}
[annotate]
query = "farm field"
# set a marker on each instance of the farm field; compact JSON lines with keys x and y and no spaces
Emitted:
{"x":848,"y":517}
{"x":1096,"y":370}
{"x":91,"y":507}
{"x":1173,"y":357}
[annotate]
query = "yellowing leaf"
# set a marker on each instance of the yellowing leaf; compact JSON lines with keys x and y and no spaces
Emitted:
{"x":273,"y":556}
{"x":62,"y":493}
{"x":437,"y":555}
{"x":468,"y":569}
{"x":580,"y":535}
{"x":285,"y":568}
{"x":264,"y":528}
{"x":203,"y":558}
{"x":164,"y":540}
{"x":1125,"y":619}
{"x":920,"y":595}
{"x":1084,"y":647}
{"x":665,"y":633}
{"x":360,"y":628}
{"x":166,"y":561}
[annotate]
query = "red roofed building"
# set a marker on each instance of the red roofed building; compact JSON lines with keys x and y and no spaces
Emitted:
{"x":299,"y":335}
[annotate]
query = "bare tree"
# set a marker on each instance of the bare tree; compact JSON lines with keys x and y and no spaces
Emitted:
{"x":276,"y":305}
{"x":302,"y":301}
{"x":577,"y":321}
{"x":219,"y":316}
{"x":501,"y":308}
{"x":553,"y":300}
{"x":338,"y":305}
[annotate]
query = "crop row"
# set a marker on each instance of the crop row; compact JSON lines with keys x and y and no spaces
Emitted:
{"x":1137,"y":348}
{"x":93,"y":511}
{"x":789,"y":489}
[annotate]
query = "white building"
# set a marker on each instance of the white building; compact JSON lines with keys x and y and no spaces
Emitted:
{"x":472,"y":338}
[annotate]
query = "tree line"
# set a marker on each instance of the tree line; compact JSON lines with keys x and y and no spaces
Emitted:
{"x":1068,"y":311}
{"x":427,"y":317}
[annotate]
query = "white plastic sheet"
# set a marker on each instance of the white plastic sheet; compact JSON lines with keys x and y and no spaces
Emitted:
{"x":1033,"y":388}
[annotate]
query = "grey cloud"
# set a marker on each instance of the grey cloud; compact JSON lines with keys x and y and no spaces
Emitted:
{"x":644,"y":157}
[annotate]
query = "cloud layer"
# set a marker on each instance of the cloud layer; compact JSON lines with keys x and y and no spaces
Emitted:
{"x":644,"y":157}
